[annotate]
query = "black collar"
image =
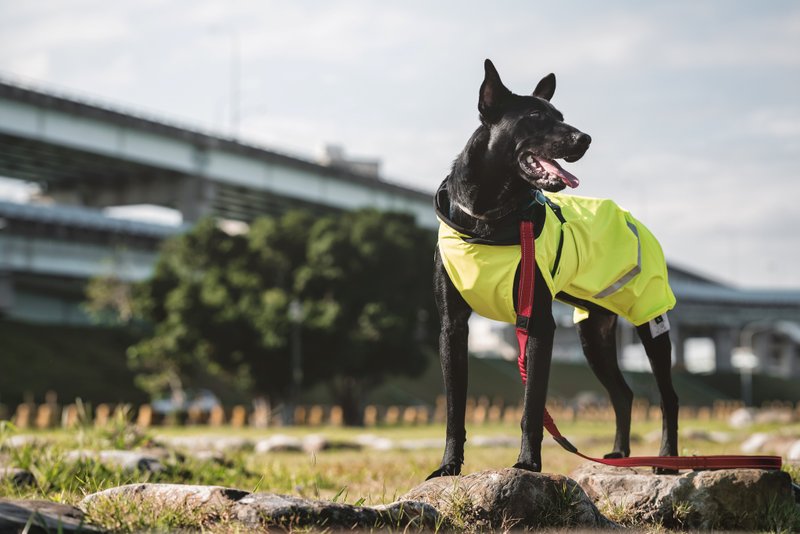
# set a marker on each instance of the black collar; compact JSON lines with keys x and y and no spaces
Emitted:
{"x":506,"y":234}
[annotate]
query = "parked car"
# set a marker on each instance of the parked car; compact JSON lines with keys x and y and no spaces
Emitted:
{"x":203,"y":400}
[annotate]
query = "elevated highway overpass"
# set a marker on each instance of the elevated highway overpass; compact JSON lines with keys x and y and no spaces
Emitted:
{"x":93,"y":155}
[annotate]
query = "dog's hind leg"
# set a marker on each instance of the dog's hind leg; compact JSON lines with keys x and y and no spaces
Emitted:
{"x":598,"y":334}
{"x":659,"y":352}
{"x":454,"y":315}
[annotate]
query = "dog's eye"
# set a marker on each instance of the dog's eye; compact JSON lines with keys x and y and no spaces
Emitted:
{"x":536,"y":114}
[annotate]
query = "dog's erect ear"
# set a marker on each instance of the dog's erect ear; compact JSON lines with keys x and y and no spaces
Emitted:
{"x":546,"y":87}
{"x":492,"y":93}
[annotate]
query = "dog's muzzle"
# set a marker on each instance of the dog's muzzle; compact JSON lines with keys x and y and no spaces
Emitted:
{"x":581,"y":144}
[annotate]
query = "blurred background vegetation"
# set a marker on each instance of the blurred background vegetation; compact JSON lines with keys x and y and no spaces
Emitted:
{"x":292,"y":302}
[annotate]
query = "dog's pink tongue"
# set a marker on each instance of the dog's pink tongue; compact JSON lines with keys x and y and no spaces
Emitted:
{"x":553,"y":167}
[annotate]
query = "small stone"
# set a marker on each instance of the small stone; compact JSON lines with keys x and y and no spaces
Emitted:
{"x":760,"y":442}
{"x":794,"y":452}
{"x":754,"y":443}
{"x":20,"y":440}
{"x":44,"y":516}
{"x":18,"y":477}
{"x":742,"y":417}
{"x":279,"y":443}
{"x":420,"y":444}
{"x":377,"y":443}
{"x":129,"y":461}
{"x":494,"y":441}
{"x":711,"y":436}
{"x":207,"y":443}
{"x":316,"y":443}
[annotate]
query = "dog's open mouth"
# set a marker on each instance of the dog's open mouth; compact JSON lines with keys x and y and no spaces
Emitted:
{"x":546,"y":171}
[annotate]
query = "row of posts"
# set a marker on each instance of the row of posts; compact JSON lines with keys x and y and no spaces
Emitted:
{"x":479,"y":411}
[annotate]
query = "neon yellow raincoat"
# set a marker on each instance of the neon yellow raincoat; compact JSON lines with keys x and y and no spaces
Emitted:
{"x":607,"y":257}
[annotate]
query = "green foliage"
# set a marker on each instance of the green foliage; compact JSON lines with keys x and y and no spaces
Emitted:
{"x":366,"y":283}
{"x":85,"y":361}
{"x":219,"y":305}
{"x":109,"y":300}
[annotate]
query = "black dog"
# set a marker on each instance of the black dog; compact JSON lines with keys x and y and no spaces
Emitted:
{"x":510,"y":156}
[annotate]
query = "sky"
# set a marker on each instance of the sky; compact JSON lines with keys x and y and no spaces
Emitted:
{"x":692,"y":105}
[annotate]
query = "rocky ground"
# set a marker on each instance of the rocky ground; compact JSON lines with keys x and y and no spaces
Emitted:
{"x":124,"y":482}
{"x":594,"y":497}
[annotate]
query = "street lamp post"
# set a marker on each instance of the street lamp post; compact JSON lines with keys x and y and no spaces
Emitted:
{"x":296,"y":318}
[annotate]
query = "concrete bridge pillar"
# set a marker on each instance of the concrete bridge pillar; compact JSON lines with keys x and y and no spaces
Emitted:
{"x":194,"y":198}
{"x":678,"y":345}
{"x":6,"y":292}
{"x":724,"y":341}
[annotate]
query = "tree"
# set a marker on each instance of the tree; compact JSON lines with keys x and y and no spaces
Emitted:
{"x":219,"y":305}
{"x":367,"y":287}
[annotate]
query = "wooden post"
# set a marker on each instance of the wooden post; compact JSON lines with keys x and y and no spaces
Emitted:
{"x":300,"y":413}
{"x":44,"y":416}
{"x":370,"y":415}
{"x":69,"y":416}
{"x":423,"y":415}
{"x":238,"y":416}
{"x":336,"y":416}
{"x":316,"y":415}
{"x":392,"y":415}
{"x":217,"y":416}
{"x":144,"y":418}
{"x":440,"y":412}
{"x":102,"y":415}
{"x":22,"y":417}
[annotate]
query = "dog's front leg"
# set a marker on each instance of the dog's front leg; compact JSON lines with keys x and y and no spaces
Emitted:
{"x":454,"y":314}
{"x":538,"y":355}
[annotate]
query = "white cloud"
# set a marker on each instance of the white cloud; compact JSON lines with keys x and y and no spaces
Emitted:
{"x":33,"y":65}
{"x":71,"y":28}
{"x":780,"y":123}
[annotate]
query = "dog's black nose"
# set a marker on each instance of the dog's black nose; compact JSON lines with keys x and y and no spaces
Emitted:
{"x":583,"y":140}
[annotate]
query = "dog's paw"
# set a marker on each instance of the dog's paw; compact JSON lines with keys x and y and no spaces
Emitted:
{"x":532,"y":466}
{"x":447,"y":470}
{"x":614,"y":455}
{"x":664,"y":471}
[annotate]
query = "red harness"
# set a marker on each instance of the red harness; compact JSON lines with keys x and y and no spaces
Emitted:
{"x":527,"y":277}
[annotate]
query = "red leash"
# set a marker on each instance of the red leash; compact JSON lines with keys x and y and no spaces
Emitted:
{"x":527,"y":276}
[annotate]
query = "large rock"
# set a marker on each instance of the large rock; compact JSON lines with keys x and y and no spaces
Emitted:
{"x":210,"y":498}
{"x":509,"y":498}
{"x":43,"y":516}
{"x":260,"y":509}
{"x":256,"y":510}
{"x":740,"y":499}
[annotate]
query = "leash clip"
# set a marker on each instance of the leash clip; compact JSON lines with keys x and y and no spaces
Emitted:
{"x":539,"y":197}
